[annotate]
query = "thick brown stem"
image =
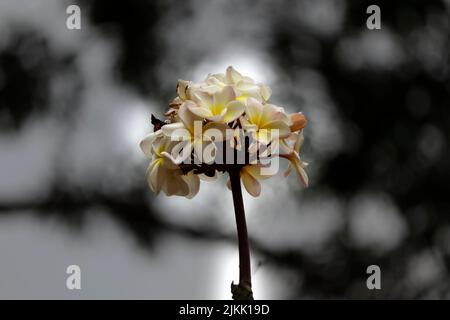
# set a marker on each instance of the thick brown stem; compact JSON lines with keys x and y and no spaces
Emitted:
{"x":243,"y":290}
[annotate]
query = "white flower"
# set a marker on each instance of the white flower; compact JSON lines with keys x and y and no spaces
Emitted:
{"x":186,"y":89}
{"x":266,"y":121}
{"x":147,"y":143}
{"x":226,"y":106}
{"x":162,"y":173}
{"x":221,"y":107}
{"x":193,"y":135}
{"x":245,"y":87}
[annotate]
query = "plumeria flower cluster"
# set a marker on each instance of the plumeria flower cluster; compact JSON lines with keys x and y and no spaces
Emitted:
{"x":224,"y":122}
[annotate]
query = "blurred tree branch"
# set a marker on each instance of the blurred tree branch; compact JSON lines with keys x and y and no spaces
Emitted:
{"x":333,"y":277}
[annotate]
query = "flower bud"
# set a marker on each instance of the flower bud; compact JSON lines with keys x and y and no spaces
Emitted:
{"x":298,"y":120}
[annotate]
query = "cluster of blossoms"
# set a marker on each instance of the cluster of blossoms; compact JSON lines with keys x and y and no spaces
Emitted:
{"x":223,"y":123}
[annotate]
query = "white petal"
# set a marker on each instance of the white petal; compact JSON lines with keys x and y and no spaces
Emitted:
{"x":298,"y":165}
{"x":146,"y":143}
{"x":256,"y":171}
{"x":218,"y":118}
{"x":226,"y":95}
{"x":176,"y":132}
{"x":247,"y":87}
{"x":232,"y":76}
{"x":155,"y":176}
{"x":203,"y":99}
{"x":187,"y":116}
{"x":217,"y":80}
{"x":272,"y":112}
{"x":253,"y":110}
{"x":180,"y":153}
{"x":252,"y":185}
{"x":277,"y":129}
{"x":266,"y":92}
{"x":220,"y":77}
{"x":211,"y":89}
{"x":201,"y":112}
{"x":234,"y":111}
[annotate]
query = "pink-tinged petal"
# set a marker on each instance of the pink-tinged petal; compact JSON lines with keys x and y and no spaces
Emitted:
{"x":232,"y":76}
{"x":234,"y":110}
{"x":285,"y":147}
{"x":252,"y":185}
{"x":301,"y":173}
{"x":299,"y":142}
{"x":297,"y":164}
{"x":146,"y":143}
{"x":253,"y":111}
{"x":288,"y":170}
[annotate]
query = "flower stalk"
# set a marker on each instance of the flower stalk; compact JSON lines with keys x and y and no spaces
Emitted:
{"x":243,"y":290}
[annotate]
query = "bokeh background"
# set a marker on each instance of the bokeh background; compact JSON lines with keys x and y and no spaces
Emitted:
{"x":75,"y":104}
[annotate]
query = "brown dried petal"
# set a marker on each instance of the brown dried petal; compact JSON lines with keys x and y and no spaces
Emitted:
{"x":298,"y":121}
